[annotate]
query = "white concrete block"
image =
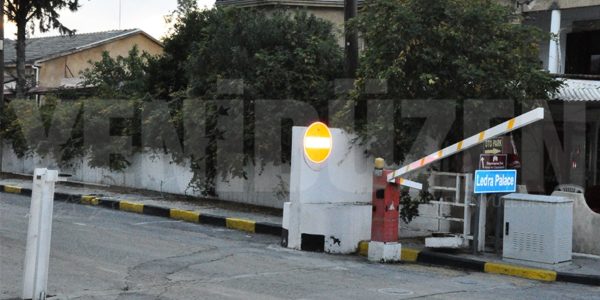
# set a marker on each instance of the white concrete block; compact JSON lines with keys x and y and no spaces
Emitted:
{"x":346,"y":176}
{"x":453,"y":242}
{"x":385,"y":252}
{"x":342,"y":226}
{"x":330,"y":203}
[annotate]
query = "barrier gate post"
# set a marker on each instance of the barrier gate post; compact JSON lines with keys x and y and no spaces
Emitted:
{"x":37,"y":254}
{"x":384,"y":246}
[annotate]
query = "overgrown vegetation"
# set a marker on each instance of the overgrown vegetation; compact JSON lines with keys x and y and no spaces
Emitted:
{"x":119,"y":77}
{"x":280,"y":56}
{"x":429,"y":50}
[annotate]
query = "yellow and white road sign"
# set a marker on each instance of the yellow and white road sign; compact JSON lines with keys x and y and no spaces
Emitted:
{"x":317,"y":143}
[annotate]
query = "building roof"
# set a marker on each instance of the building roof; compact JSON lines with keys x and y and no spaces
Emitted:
{"x":44,"y":48}
{"x":579,"y":90}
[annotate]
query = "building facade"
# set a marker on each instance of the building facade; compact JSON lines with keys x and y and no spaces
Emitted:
{"x":573,"y":55}
{"x":57,"y":62}
{"x":576,"y":27}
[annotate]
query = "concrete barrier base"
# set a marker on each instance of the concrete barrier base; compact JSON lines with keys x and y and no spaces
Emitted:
{"x":326,"y":227}
{"x":384,"y":252}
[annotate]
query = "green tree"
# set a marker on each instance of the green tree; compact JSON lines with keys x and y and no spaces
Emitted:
{"x":282,"y":55}
{"x":454,"y":49}
{"x":122,"y":77}
{"x":168,"y":78}
{"x":185,"y":6}
{"x":45,"y":14}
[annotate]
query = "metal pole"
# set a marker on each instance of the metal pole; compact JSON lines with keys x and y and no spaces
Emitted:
{"x":351,"y":39}
{"x":476,"y":228}
{"x":554,"y":50}
{"x":499,"y":225}
{"x":39,"y":233}
{"x":2,"y":74}
{"x":482,"y":219}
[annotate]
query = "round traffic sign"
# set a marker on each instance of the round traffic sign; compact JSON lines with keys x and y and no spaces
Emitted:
{"x":317,"y":143}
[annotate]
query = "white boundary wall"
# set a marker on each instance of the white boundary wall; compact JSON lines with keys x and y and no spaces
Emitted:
{"x":586,"y":237}
{"x":157,"y":172}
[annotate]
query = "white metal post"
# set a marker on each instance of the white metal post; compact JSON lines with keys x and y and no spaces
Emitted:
{"x":554,"y":50}
{"x":467,"y":209}
{"x":481,"y":222}
{"x":37,"y":255}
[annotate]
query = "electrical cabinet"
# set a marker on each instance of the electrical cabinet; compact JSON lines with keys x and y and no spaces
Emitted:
{"x":538,"y":228}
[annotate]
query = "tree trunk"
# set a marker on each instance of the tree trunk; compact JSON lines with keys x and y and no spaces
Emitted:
{"x":21,"y":77}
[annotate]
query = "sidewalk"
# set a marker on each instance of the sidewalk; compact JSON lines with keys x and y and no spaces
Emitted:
{"x":582,"y":264}
{"x":227,"y":214}
{"x":582,"y":270}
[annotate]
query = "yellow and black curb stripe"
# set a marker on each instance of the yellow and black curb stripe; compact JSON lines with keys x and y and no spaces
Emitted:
{"x":447,"y":260}
{"x":518,"y":271}
{"x":11,"y":189}
{"x":158,"y":211}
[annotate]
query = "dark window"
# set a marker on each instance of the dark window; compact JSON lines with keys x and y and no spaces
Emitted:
{"x":595,"y":64}
{"x":583,"y":53}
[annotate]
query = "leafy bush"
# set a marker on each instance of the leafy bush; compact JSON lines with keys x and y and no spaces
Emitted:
{"x":119,"y":77}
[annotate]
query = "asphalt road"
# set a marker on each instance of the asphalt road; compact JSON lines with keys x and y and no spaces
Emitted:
{"x":105,"y":254}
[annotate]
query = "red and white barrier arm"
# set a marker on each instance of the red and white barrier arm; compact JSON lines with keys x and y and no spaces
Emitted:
{"x":506,"y":127}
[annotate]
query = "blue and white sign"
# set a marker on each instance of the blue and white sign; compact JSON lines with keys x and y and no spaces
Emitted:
{"x":495,"y":181}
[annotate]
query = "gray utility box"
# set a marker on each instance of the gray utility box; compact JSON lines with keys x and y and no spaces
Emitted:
{"x":538,"y":229}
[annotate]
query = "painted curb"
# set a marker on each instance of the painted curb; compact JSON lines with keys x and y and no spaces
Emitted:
{"x":578,"y":278}
{"x":11,"y":189}
{"x":518,"y":271}
{"x":441,"y":259}
{"x":158,"y":211}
